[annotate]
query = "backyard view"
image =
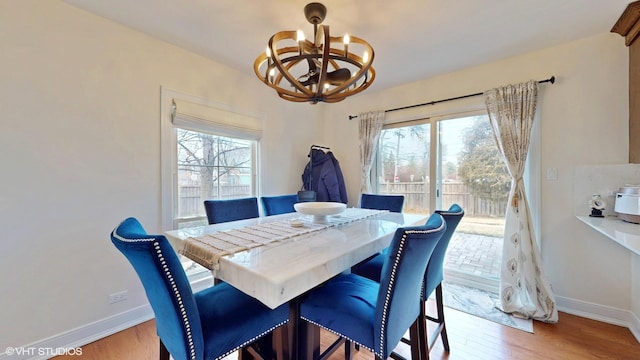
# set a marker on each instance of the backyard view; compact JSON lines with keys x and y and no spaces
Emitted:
{"x":463,"y":166}
{"x":468,"y":171}
{"x":210,"y":167}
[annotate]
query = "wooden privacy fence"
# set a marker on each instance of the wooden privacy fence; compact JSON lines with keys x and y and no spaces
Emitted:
{"x":191,"y":203}
{"x":416,"y":198}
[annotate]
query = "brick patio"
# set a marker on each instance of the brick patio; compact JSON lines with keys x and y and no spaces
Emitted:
{"x":474,"y":255}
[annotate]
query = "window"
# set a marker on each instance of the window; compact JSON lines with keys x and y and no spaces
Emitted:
{"x":210,"y":167}
{"x":208,"y":151}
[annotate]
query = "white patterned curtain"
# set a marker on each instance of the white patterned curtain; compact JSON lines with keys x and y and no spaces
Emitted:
{"x":525,"y":291}
{"x":370,"y":129}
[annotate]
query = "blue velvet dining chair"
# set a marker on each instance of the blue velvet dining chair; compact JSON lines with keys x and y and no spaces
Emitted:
{"x":282,"y":204}
{"x":373,"y":314}
{"x":219,"y":211}
{"x":392,"y":203}
{"x":209,"y":324}
{"x":432,"y":278}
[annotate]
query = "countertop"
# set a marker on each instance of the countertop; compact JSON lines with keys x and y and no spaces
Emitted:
{"x":620,"y":231}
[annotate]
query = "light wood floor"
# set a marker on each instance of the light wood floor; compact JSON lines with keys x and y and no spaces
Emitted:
{"x":471,"y":338}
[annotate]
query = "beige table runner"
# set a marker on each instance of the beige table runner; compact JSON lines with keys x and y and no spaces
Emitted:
{"x":208,"y":249}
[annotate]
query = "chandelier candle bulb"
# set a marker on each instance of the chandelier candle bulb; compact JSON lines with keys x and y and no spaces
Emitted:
{"x":272,"y":73}
{"x":268,"y":52}
{"x":300,"y":39}
{"x":346,"y":40}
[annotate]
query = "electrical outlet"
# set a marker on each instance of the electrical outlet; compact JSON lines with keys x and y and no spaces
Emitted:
{"x":119,"y":296}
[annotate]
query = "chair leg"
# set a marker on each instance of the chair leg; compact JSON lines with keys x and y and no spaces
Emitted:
{"x":441,"y":328}
{"x":326,"y":354}
{"x":423,"y":337}
{"x":164,"y":353}
{"x":248,"y":353}
{"x":349,"y":349}
{"x":417,"y":339}
{"x":440,"y":307}
{"x":273,"y":346}
{"x":281,"y":342}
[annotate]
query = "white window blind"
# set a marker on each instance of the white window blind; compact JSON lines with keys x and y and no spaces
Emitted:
{"x":196,"y":117}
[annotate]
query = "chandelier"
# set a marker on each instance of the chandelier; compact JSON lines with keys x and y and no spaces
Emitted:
{"x":326,"y":69}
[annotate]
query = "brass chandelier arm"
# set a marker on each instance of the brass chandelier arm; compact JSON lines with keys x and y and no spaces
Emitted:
{"x":287,"y":35}
{"x":277,"y":78}
{"x":326,"y":47}
{"x":365,"y":70}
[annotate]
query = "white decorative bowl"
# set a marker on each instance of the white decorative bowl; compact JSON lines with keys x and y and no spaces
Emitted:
{"x":320,"y":210}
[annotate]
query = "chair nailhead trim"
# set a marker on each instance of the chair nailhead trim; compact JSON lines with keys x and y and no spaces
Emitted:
{"x":178,"y":297}
{"x":392,"y":282}
{"x":187,"y":326}
{"x":337,"y":333}
{"x":388,"y":294}
{"x":253,"y":339}
{"x":174,"y":287}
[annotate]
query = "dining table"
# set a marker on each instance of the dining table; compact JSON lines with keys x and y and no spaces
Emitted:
{"x":277,"y":259}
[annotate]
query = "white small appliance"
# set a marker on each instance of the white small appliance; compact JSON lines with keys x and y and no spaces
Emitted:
{"x":628,"y":203}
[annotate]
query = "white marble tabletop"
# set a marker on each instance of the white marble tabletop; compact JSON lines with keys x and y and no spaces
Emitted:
{"x":620,"y":231}
{"x":280,"y":271}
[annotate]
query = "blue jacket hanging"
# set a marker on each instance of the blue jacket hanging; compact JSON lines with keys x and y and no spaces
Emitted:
{"x":341,"y":186}
{"x":321,"y":176}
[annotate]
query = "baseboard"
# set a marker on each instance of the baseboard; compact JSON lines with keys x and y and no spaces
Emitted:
{"x":580,"y":308}
{"x":83,"y":335}
{"x":466,"y":279}
{"x":602,"y":313}
{"x":635,"y":326}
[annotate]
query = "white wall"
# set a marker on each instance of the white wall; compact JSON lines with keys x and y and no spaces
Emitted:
{"x":584,"y":120}
{"x":635,"y":292}
{"x":80,"y":151}
{"x":80,"y":148}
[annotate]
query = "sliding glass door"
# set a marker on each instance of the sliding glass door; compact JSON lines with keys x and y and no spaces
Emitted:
{"x":435,"y":163}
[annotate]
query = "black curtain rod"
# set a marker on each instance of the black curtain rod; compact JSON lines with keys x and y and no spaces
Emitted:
{"x":552,"y":80}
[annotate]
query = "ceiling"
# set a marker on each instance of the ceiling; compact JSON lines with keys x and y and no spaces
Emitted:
{"x":412,"y":39}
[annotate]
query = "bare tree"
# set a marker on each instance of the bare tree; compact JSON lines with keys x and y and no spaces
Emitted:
{"x":213,"y":158}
